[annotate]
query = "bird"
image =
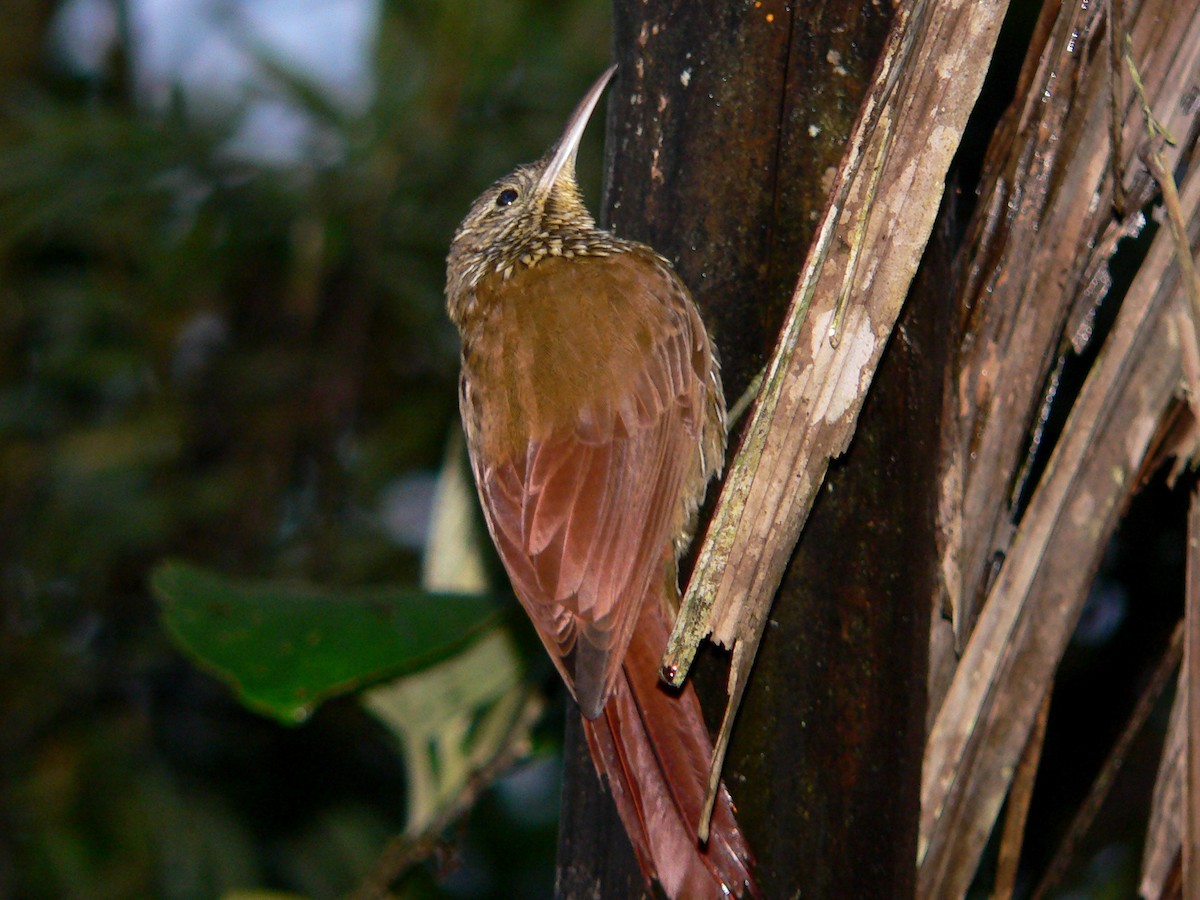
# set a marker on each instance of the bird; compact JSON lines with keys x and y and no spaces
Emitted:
{"x":591,"y":400}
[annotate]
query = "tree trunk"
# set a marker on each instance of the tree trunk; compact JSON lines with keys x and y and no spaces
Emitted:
{"x":724,"y":123}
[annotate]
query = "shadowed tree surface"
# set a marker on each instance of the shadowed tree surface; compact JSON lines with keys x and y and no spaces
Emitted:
{"x":723,"y":126}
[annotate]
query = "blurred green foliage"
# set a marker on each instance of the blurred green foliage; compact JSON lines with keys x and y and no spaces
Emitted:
{"x":285,"y":649}
{"x":232,"y":364}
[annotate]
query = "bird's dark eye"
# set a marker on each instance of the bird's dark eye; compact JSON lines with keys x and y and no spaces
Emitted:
{"x":506,"y":197}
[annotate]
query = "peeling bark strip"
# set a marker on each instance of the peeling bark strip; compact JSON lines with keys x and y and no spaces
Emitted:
{"x":1033,"y":607}
{"x":1035,"y":263}
{"x":1036,"y":266}
{"x":909,"y":127}
{"x":924,"y":90}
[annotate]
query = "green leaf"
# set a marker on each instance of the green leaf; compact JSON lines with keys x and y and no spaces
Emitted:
{"x":285,"y":649}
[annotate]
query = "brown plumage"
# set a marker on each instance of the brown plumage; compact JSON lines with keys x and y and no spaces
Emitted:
{"x":594,"y":416}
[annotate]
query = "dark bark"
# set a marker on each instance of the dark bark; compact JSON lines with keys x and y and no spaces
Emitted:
{"x":595,"y":858}
{"x":833,"y":721}
{"x":724,"y":122}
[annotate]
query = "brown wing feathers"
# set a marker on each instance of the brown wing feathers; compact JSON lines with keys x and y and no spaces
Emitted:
{"x":583,"y":508}
{"x":585,"y":470}
{"x":569,"y":544}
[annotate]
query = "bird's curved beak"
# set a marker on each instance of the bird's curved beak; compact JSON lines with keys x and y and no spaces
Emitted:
{"x":562,"y":157}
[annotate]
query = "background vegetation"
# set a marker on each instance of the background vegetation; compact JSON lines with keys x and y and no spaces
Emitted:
{"x":243,"y":363}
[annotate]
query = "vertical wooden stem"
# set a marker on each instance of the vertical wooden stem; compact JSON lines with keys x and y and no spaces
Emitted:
{"x":1019,"y":798}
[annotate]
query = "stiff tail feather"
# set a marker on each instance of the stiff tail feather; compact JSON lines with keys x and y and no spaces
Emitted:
{"x":654,"y":749}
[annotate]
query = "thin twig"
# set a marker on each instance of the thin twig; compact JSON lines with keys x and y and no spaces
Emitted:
{"x":1019,"y":798}
{"x":743,"y":402}
{"x":1167,"y":664}
{"x":1158,"y":133}
{"x":1116,"y":26}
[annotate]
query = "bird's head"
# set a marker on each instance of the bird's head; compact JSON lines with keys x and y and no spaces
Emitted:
{"x":535,"y":210}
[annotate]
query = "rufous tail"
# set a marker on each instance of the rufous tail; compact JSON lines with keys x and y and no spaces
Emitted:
{"x":653,"y":747}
